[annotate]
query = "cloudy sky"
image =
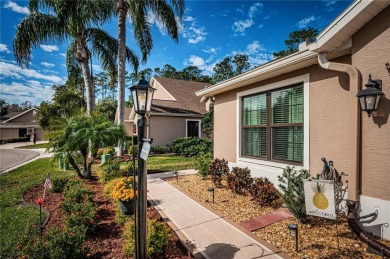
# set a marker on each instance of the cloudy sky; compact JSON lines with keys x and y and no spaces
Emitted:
{"x":209,"y":31}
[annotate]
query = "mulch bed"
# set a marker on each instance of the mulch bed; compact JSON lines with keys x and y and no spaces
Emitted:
{"x":106,"y":241}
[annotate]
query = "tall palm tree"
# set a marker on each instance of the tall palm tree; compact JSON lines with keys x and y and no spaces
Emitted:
{"x":71,"y":20}
{"x":137,"y":11}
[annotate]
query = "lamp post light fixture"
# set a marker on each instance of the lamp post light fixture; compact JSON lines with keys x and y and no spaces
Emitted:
{"x":142,"y":98}
{"x":293,"y":228}
{"x":211,"y":192}
{"x":176,"y":175}
{"x":369,"y":98}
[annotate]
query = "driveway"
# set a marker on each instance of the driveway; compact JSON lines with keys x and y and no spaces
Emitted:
{"x":12,"y":157}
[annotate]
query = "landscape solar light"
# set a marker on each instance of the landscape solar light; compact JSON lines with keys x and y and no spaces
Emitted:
{"x":293,"y":228}
{"x":210,"y":190}
{"x":176,"y":175}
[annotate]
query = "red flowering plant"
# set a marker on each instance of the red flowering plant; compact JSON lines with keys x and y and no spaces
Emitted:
{"x":263,"y":192}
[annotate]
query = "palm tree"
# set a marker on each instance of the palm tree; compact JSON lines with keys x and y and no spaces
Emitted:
{"x":137,"y":11}
{"x":74,"y":20}
{"x":84,"y":135}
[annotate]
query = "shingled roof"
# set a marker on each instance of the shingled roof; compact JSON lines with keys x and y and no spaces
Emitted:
{"x":184,"y":93}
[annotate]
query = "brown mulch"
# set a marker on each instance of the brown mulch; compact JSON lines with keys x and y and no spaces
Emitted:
{"x":317,"y":238}
{"x":106,"y":241}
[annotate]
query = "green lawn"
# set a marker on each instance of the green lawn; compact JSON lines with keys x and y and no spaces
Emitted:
{"x":170,"y":163}
{"x":41,"y":145}
{"x":16,"y":220}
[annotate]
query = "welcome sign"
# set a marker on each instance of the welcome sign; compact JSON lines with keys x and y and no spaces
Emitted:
{"x":319,"y":198}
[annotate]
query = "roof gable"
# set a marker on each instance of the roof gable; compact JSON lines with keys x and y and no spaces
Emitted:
{"x":20,"y":115}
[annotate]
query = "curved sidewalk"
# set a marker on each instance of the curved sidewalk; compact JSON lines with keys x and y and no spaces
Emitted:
{"x":211,"y":234}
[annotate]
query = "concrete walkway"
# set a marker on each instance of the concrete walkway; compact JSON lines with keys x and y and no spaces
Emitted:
{"x":212,"y":235}
{"x":11,"y":158}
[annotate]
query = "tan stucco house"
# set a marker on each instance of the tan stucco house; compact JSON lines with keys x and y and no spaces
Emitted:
{"x":297,"y":109}
{"x":176,"y":110}
{"x":20,"y":124}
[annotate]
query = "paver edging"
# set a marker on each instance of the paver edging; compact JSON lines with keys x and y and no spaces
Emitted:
{"x":234,"y":224}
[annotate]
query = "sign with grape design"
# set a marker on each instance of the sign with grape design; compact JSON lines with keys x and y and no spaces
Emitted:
{"x":320,"y":198}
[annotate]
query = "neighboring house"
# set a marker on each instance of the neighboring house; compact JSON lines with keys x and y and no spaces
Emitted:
{"x":295,"y":110}
{"x":176,"y":110}
{"x":20,"y":124}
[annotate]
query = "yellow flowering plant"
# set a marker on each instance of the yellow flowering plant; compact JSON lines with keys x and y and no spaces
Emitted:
{"x":123,"y":190}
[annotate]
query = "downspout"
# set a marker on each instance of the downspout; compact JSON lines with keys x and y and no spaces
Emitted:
{"x":354,"y":152}
{"x":354,"y":122}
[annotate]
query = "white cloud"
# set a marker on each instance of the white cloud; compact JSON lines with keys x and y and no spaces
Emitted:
{"x":188,"y":19}
{"x":4,"y":48}
{"x":15,"y":71}
{"x":257,"y":54}
{"x":210,"y":50}
{"x":305,"y":21}
{"x":152,"y":19}
{"x":200,"y":63}
{"x":17,"y":8}
{"x":49,"y":48}
{"x":329,"y":2}
{"x":194,"y":34}
{"x":239,"y":27}
{"x":63,"y":54}
{"x":33,"y":91}
{"x":253,"y":48}
{"x":97,"y":68}
{"x":46,"y":64}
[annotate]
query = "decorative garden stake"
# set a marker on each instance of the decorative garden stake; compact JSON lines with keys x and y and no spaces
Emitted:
{"x":294,"y":233}
{"x":176,"y":174}
{"x":40,"y":202}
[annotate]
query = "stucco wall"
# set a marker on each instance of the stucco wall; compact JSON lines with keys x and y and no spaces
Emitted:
{"x":328,"y":130}
{"x":165,"y":129}
{"x":9,"y":133}
{"x":370,"y":53}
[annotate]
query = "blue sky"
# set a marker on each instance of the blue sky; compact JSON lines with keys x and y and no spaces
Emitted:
{"x":209,"y":31}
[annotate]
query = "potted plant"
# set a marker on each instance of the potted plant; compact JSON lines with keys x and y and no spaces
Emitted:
{"x":124,"y":193}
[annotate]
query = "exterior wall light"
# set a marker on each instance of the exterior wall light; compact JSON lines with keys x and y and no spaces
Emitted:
{"x":211,"y":192}
{"x":369,"y":98}
{"x":293,"y":228}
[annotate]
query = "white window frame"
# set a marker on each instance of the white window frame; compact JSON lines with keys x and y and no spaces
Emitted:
{"x":199,"y":130}
{"x":305,"y":79}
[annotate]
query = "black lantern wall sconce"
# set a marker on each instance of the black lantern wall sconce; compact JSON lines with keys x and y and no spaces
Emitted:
{"x":369,"y":98}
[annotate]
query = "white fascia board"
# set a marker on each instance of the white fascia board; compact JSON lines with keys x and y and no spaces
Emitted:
{"x":257,"y":74}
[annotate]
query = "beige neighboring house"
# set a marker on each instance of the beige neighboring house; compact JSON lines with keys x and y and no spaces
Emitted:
{"x":295,"y":110}
{"x":176,"y":110}
{"x":20,"y":124}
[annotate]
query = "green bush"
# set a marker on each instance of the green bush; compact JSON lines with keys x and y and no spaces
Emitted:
{"x":76,"y":192}
{"x":263,"y":191}
{"x":218,"y":168}
{"x":239,"y":180}
{"x":58,"y":184}
{"x":161,"y":150}
{"x":14,"y":140}
{"x":192,"y":146}
{"x":109,"y":171}
{"x":291,"y":185}
{"x":158,"y":235}
{"x":59,"y":244}
{"x":202,"y":164}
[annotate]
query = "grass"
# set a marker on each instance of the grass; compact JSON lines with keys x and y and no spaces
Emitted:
{"x":40,"y":145}
{"x":170,"y":163}
{"x":16,"y":220}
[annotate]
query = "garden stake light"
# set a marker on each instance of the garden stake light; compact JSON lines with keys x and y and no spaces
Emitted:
{"x":40,"y":202}
{"x":176,"y":175}
{"x":294,"y":233}
{"x":142,"y":98}
{"x":211,"y":192}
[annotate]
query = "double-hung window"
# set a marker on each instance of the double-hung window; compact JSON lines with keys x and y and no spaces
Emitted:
{"x":272,"y":125}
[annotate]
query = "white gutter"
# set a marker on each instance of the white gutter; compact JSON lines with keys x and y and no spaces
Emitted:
{"x":353,"y":123}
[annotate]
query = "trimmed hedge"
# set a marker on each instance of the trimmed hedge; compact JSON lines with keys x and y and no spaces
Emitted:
{"x":14,"y":140}
{"x":192,"y":146}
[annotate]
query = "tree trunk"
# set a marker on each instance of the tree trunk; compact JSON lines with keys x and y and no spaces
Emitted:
{"x":75,"y":166}
{"x":90,"y":89}
{"x":122,"y":7}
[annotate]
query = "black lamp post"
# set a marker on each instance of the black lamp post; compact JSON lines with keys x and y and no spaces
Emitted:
{"x":294,"y":233}
{"x":369,"y":98}
{"x":142,"y":96}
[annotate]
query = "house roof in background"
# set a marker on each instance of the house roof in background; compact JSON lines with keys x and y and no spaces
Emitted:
{"x":9,"y":116}
{"x":186,"y":102}
{"x":16,"y":114}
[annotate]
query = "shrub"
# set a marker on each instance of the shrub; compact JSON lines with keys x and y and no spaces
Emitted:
{"x":158,"y":235}
{"x":59,"y":244}
{"x":239,"y":180}
{"x":109,"y":171}
{"x":218,"y":168}
{"x":109,"y":150}
{"x":263,"y":191}
{"x":202,"y":163}
{"x":291,"y":184}
{"x":192,"y":146}
{"x":161,"y":150}
{"x":109,"y":186}
{"x":14,"y":140}
{"x":81,"y":215}
{"x":58,"y":184}
{"x":76,"y":192}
